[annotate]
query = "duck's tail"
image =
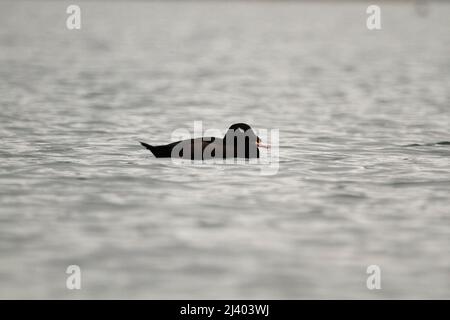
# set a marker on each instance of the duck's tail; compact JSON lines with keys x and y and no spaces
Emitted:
{"x":147,"y":146}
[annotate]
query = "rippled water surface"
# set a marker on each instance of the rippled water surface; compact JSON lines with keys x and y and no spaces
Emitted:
{"x":361,"y":180}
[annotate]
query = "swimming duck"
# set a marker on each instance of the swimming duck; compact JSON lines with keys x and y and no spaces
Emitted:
{"x":239,"y":142}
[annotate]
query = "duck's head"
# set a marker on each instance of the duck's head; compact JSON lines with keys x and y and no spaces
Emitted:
{"x":243,"y":128}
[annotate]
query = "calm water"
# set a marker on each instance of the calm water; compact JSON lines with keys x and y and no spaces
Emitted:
{"x":76,"y":188}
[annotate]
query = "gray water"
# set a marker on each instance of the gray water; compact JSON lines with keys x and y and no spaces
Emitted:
{"x":77,"y":189}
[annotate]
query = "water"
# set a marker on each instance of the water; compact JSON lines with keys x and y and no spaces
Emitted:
{"x":76,"y":187}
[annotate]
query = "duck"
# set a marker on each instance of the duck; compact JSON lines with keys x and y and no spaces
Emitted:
{"x":240,"y":141}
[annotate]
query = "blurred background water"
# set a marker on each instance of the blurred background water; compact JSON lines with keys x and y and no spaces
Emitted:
{"x":76,"y":188}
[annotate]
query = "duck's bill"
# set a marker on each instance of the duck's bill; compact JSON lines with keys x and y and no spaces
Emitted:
{"x":262,"y":145}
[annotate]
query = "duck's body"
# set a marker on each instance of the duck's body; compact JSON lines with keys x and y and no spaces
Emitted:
{"x":239,"y":142}
{"x":201,"y":149}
